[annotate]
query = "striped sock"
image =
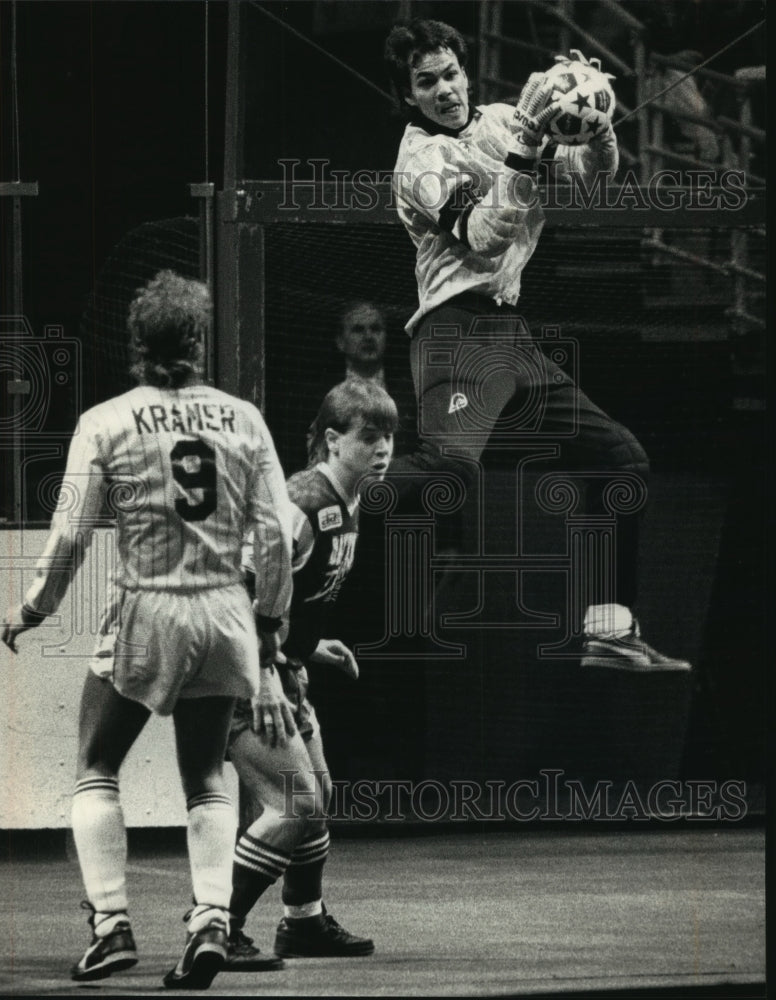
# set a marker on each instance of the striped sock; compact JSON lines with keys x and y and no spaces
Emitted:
{"x":101,"y":843}
{"x":258,"y":864}
{"x":303,"y":882}
{"x":211,"y":831}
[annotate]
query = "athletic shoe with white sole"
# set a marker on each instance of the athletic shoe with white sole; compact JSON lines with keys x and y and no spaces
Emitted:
{"x":628,"y":652}
{"x":204,"y":955}
{"x":105,"y":955}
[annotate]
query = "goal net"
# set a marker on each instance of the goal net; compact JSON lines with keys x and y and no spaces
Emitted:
{"x":665,"y":325}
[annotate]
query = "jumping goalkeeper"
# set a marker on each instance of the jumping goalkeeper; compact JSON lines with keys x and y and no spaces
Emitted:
{"x":466,"y":186}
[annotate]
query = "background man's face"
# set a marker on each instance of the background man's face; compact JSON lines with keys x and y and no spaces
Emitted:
{"x":363,"y":335}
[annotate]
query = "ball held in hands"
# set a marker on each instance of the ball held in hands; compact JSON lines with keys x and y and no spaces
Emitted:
{"x":583,"y":96}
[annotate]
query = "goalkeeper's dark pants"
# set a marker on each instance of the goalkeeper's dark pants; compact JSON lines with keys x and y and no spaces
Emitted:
{"x":482,"y":380}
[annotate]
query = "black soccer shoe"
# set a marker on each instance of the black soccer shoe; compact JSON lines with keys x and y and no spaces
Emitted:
{"x":204,"y":955}
{"x":630,"y":653}
{"x":243,"y":956}
{"x":105,"y":955}
{"x":318,"y":937}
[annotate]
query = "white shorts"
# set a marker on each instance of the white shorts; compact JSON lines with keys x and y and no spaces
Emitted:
{"x":157,"y":646}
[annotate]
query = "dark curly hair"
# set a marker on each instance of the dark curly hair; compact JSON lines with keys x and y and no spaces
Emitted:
{"x":342,"y":406}
{"x":168,"y":321}
{"x":406,"y":43}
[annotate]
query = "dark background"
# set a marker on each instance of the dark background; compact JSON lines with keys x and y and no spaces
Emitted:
{"x":112,"y":126}
{"x":112,"y":115}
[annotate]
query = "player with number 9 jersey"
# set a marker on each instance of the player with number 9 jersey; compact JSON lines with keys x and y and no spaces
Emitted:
{"x":185,"y":470}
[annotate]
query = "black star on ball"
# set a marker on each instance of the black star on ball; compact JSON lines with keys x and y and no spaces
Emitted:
{"x":593,"y":125}
{"x":581,"y":102}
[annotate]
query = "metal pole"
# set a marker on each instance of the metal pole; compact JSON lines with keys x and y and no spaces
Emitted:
{"x":17,"y":388}
{"x":235,"y":67}
{"x":205,"y":193}
{"x":226,"y":258}
{"x":485,"y":44}
{"x":640,"y":68}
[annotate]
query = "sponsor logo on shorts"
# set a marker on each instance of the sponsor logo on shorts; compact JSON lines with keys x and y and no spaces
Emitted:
{"x":329,"y":518}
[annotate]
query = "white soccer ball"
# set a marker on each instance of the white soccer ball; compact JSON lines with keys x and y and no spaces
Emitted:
{"x":586,"y":99}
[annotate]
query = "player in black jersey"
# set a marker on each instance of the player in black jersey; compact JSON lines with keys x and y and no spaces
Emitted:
{"x":283,"y":768}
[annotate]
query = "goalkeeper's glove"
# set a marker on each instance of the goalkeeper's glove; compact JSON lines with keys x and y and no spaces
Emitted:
{"x":532,"y":116}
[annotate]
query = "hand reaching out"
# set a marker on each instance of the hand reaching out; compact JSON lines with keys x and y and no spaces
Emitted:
{"x":336,"y":654}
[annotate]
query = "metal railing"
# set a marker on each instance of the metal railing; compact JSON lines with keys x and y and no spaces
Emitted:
{"x":738,"y":141}
{"x":658,"y":130}
{"x":649,"y":150}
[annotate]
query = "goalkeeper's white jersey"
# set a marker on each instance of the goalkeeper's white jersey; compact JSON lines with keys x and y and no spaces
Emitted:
{"x":187,"y":473}
{"x":432,"y":171}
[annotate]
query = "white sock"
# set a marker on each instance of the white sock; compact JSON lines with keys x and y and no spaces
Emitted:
{"x":101,"y":843}
{"x":212,"y":830}
{"x":104,"y":923}
{"x":202,"y":915}
{"x":611,"y":621}
{"x":304,"y":910}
